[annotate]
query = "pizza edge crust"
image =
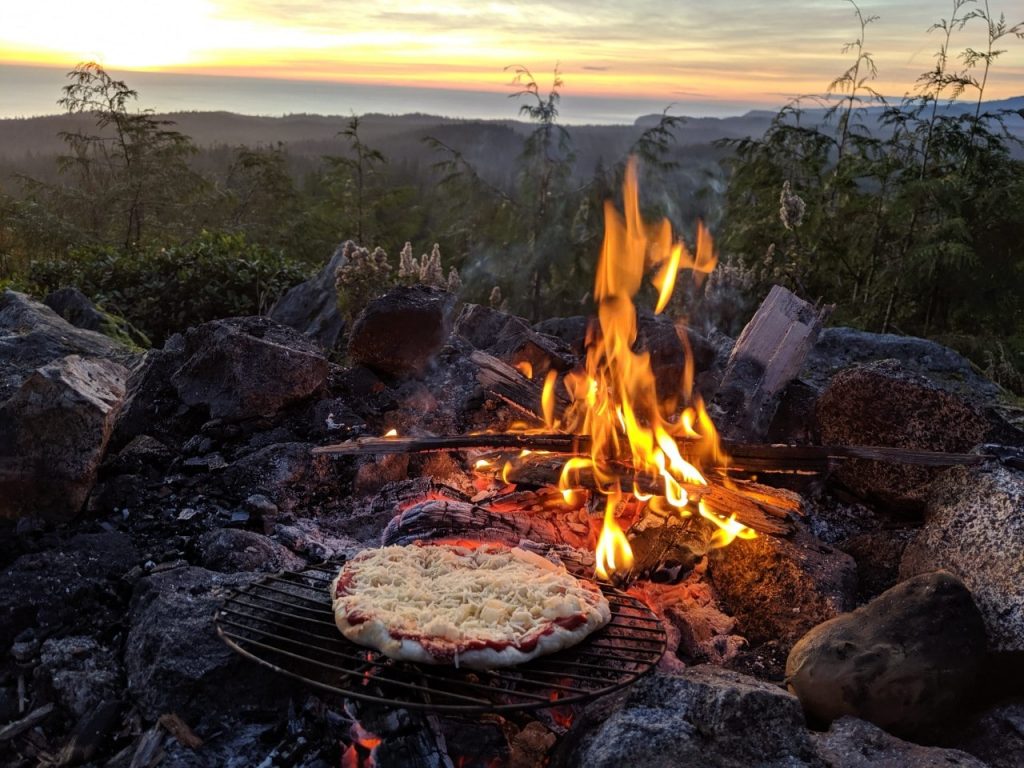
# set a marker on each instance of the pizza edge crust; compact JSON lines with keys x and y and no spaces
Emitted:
{"x":374,"y":634}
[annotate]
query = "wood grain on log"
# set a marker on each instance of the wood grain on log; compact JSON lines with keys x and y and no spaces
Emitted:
{"x":767,"y":356}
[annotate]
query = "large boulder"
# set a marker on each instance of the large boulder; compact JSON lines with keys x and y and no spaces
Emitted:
{"x":53,"y":434}
{"x":779,"y":588}
{"x":840,"y":348}
{"x":399,"y":333}
{"x":905,"y":661}
{"x":704,"y":716}
{"x":176,"y":663}
{"x":312,"y":306}
{"x":974,"y":527}
{"x":853,"y":743}
{"x":883,"y":404}
{"x":32,"y":335}
{"x":79,"y":310}
{"x":247,"y":367}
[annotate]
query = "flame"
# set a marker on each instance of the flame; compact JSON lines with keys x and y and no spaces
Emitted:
{"x":391,"y":433}
{"x":547,"y":398}
{"x":482,"y":464}
{"x":526,"y":368}
{"x":614,"y":399}
{"x":729,"y":528}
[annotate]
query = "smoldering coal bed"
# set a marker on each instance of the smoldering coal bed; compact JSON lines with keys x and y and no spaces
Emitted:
{"x":285,"y":623}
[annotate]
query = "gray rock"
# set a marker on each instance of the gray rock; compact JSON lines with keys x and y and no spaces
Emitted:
{"x":32,"y":335}
{"x":247,"y":367}
{"x":174,"y":660}
{"x":284,"y":473}
{"x":399,"y":333}
{"x":974,"y":527}
{"x":75,"y":307}
{"x":53,"y":434}
{"x":312,"y":306}
{"x":231,"y":550}
{"x":997,"y":736}
{"x":73,"y":586}
{"x":905,"y":661}
{"x":82,"y":673}
{"x":511,"y":339}
{"x":704,"y":716}
{"x":884,"y":404}
{"x":839,"y":348}
{"x":853,"y":743}
{"x":779,"y":588}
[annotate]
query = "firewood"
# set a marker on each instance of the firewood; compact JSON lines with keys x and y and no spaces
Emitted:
{"x":503,"y":381}
{"x":364,"y":446}
{"x":760,"y":507}
{"x":442,"y":518}
{"x":767,"y":356}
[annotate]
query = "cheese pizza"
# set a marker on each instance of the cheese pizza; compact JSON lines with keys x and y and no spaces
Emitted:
{"x":475,"y":605}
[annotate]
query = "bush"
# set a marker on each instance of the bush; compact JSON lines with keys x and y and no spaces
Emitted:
{"x":165,"y":290}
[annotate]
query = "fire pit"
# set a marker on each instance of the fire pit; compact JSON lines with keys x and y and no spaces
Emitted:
{"x":285,"y":622}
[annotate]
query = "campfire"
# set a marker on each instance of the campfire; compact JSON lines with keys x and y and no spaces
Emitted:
{"x":619,"y":452}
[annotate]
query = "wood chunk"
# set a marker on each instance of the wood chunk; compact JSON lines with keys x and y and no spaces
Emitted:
{"x":506,"y":383}
{"x":767,"y":356}
{"x":31,"y":720}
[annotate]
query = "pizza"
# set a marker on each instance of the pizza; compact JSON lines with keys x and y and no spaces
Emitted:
{"x":468,"y":604}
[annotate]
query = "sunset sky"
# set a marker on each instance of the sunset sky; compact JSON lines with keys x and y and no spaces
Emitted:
{"x":749,"y":51}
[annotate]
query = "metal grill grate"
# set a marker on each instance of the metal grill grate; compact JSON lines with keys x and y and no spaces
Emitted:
{"x":285,"y":622}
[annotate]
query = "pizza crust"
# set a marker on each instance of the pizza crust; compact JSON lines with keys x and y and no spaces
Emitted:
{"x":475,"y":605}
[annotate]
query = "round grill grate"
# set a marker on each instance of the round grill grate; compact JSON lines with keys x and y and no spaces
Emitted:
{"x":285,"y":622}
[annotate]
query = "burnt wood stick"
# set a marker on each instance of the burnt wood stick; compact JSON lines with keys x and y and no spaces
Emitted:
{"x":556,"y":443}
{"x":762,"y":508}
{"x":746,"y":456}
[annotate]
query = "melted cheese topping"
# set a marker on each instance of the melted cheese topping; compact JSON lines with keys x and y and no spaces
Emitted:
{"x":459,"y":595}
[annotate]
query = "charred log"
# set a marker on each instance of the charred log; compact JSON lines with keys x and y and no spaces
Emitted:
{"x":768,"y":355}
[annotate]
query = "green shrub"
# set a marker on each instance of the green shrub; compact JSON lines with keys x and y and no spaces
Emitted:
{"x":165,"y":290}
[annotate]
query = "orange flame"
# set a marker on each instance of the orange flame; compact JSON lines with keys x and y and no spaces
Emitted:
{"x":526,"y":368}
{"x":615,"y":401}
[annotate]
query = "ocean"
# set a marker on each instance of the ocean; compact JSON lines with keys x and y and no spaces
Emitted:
{"x":27,"y":91}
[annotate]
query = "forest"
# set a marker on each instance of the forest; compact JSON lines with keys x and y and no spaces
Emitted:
{"x":906,"y":213}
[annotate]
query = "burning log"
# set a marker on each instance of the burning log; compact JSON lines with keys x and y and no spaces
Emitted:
{"x":768,"y":355}
{"x":506,"y":383}
{"x":763,"y":508}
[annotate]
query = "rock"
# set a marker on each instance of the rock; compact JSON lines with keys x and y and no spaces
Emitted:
{"x":571,"y":330}
{"x":231,"y":550}
{"x":905,"y":661}
{"x":511,"y":339}
{"x":312,"y":306}
{"x":974,"y":527}
{"x":247,"y":367}
{"x":174,"y":660}
{"x":704,"y":716}
{"x":286,"y":474}
{"x":853,"y":743}
{"x":75,"y":585}
{"x":997,"y":736}
{"x":75,"y":307}
{"x":53,"y":434}
{"x":883,"y":404}
{"x":398,"y":333}
{"x":878,"y":555}
{"x":32,"y":335}
{"x":779,"y":588}
{"x":840,"y":348}
{"x":82,"y":673}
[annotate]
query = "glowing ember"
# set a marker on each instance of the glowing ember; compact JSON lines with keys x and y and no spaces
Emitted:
{"x":359,"y":754}
{"x":391,"y":433}
{"x":614,"y":400}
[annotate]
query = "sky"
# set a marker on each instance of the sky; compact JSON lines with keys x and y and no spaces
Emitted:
{"x":739,"y":52}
